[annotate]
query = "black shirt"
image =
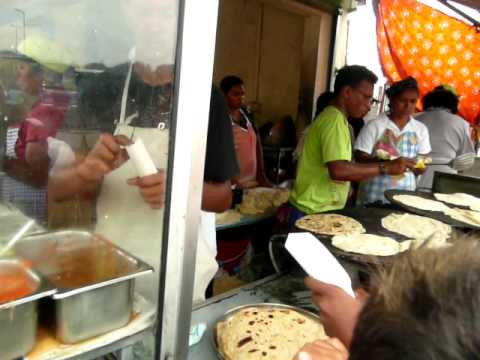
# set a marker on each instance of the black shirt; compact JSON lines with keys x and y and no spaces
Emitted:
{"x":221,"y":160}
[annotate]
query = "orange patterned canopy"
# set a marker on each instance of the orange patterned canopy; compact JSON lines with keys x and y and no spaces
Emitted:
{"x":417,"y":40}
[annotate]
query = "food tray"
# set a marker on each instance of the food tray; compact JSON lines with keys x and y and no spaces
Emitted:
{"x":18,"y":317}
{"x":235,"y":310}
{"x":94,"y":279}
{"x":437,"y":215}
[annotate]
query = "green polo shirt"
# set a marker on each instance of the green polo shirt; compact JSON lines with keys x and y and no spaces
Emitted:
{"x":327,"y":140}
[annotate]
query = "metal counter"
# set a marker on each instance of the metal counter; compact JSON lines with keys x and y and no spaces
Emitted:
{"x":246,"y":220}
{"x":286,"y":289}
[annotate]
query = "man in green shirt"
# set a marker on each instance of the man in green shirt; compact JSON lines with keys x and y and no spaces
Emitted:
{"x":325,"y":168}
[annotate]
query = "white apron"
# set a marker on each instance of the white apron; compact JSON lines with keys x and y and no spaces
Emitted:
{"x":125,"y":218}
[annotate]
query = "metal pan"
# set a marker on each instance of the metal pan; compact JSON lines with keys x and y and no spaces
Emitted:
{"x":437,"y":215}
{"x":18,"y":317}
{"x":230,"y":313}
{"x":94,"y":278}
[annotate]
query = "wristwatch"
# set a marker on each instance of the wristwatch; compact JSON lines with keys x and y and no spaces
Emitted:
{"x":382,"y":168}
{"x":237,"y":197}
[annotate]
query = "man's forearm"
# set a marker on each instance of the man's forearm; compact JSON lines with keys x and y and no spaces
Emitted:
{"x":66,"y":183}
{"x":216,"y":197}
{"x":349,"y":171}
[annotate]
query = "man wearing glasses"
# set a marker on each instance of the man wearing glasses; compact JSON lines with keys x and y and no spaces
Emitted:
{"x":325,"y":168}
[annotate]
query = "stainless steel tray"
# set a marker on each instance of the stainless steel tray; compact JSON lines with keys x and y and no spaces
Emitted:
{"x":61,"y":256}
{"x":237,"y":309}
{"x":94,"y":280}
{"x":18,"y":318}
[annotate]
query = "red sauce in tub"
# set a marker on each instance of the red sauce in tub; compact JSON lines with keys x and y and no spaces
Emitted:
{"x":15,"y":284}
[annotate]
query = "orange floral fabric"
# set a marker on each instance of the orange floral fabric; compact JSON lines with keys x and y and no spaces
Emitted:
{"x":417,"y":40}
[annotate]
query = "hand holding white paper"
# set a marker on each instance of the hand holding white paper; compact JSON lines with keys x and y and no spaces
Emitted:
{"x":138,"y":153}
{"x":317,"y":261}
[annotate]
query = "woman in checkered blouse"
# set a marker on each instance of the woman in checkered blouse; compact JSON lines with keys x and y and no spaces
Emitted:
{"x":392,"y":135}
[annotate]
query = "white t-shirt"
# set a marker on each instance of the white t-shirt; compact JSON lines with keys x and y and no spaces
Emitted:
{"x":372,"y":132}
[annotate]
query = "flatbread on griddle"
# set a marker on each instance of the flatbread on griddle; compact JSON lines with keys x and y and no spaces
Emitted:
{"x":415,"y":226}
{"x":466,"y":216}
{"x":368,"y":244}
{"x":421,"y":203}
{"x":460,"y":199}
{"x":330,"y":224}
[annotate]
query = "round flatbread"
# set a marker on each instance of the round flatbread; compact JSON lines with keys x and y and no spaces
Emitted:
{"x":420,"y":203}
{"x":368,"y":244}
{"x":266,"y":333}
{"x":459,"y":199}
{"x":330,"y":224}
{"x":415,"y":226}
{"x":228,"y":217}
{"x":466,"y":216}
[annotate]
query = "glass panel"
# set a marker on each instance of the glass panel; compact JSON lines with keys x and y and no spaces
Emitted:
{"x":80,"y":81}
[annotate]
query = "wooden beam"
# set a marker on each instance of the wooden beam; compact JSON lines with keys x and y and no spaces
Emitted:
{"x":299,"y":7}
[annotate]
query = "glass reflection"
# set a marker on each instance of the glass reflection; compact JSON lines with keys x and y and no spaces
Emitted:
{"x":79,"y":82}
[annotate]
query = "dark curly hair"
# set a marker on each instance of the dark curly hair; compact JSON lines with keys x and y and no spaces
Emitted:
{"x":441,"y":97}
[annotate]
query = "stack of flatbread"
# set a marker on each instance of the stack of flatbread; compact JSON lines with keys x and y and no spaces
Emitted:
{"x":266,"y":333}
{"x":228,"y":217}
{"x":259,"y":200}
{"x":330,"y":224}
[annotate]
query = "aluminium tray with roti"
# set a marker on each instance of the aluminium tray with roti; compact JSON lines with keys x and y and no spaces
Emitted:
{"x":371,"y":220}
{"x":437,"y":215}
{"x":262,"y":331}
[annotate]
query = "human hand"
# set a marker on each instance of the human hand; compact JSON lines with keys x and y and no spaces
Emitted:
{"x":399,"y":166}
{"x":329,"y":349}
{"x":152,"y":188}
{"x":338,"y":310}
{"x":106,"y":156}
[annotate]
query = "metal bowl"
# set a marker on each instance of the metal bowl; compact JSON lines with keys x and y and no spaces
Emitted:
{"x":230,"y":313}
{"x":18,"y":317}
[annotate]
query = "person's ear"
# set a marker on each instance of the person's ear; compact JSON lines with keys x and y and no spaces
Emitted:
{"x":346,"y":92}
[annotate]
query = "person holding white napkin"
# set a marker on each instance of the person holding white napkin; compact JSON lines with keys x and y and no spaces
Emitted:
{"x":130,"y":207}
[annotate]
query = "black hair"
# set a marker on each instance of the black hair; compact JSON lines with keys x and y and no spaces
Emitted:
{"x":399,"y":87}
{"x":353,"y":75}
{"x":441,"y":97}
{"x":228,"y":82}
{"x":323,"y":101}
